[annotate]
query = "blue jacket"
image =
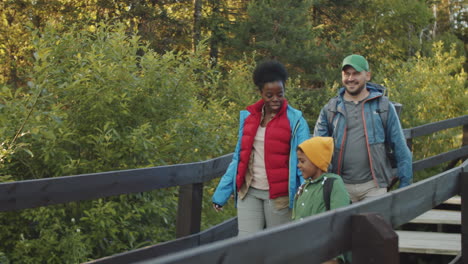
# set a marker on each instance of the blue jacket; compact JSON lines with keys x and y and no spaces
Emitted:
{"x":299,"y":132}
{"x":381,"y":168}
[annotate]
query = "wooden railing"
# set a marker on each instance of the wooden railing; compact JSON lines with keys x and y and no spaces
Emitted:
{"x":453,"y":155}
{"x":331,"y":231}
{"x":364,"y":228}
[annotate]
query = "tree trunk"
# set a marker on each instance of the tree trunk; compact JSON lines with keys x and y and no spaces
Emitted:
{"x":214,"y":40}
{"x":196,"y":23}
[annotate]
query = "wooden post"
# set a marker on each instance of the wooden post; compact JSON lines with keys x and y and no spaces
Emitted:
{"x":465,"y":135}
{"x":373,"y":240}
{"x":409,"y":143}
{"x":464,"y":213}
{"x":189,"y":209}
{"x":452,"y":164}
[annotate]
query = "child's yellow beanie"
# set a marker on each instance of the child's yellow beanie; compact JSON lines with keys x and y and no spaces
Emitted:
{"x":319,"y":150}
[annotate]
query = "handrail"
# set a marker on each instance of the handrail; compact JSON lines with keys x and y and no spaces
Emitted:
{"x":440,"y":158}
{"x":330,"y":230}
{"x":43,"y":192}
{"x":430,"y":128}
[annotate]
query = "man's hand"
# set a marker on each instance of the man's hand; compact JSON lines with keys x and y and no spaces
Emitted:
{"x":217,"y":207}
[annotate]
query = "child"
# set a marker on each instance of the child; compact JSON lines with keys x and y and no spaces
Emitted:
{"x":314,"y":156}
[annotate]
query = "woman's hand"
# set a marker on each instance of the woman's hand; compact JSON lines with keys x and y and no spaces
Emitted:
{"x":217,"y":207}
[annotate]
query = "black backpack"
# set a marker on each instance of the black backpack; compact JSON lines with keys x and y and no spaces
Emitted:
{"x":327,"y":189}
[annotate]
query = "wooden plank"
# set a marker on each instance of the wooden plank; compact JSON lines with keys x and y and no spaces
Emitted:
{"x":464,"y":209}
{"x":429,"y":242}
{"x":221,"y":231}
{"x":440,"y":158}
{"x":438,"y":126}
{"x":43,"y":192}
{"x":148,"y":252}
{"x":456,"y":200}
{"x":189,"y":209}
{"x":436,"y":216}
{"x":225,"y":230}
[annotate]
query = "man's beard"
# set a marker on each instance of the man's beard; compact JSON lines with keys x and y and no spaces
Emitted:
{"x":356,"y":92}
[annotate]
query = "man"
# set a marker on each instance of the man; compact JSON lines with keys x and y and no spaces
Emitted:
{"x":354,"y":120}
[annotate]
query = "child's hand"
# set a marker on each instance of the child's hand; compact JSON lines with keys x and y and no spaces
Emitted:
{"x":217,"y":207}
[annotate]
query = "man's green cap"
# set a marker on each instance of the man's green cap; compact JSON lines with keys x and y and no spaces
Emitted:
{"x":358,"y":62}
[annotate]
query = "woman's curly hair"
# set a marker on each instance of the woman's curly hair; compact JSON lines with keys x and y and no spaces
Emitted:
{"x":269,"y":71}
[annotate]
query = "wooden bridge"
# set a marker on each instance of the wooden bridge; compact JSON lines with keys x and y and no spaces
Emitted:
{"x":365,"y":228}
{"x":428,"y":242}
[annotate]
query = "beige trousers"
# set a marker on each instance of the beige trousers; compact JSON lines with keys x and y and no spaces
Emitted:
{"x":256,"y":212}
{"x":362,"y":191}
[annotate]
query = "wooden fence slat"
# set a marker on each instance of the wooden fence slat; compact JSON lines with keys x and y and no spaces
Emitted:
{"x":43,"y":192}
{"x":149,"y":252}
{"x":464,"y":210}
{"x":440,"y":158}
{"x":427,"y":129}
{"x":222,"y":231}
{"x":225,"y":230}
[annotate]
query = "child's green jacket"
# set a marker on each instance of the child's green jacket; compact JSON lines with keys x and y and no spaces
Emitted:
{"x":309,"y":197}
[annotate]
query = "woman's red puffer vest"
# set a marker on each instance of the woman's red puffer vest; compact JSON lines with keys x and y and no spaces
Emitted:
{"x":277,"y":148}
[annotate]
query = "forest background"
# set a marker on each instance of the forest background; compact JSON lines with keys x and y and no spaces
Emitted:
{"x":101,"y":85}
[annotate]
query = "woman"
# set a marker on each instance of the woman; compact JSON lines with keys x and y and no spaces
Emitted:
{"x":263,"y":172}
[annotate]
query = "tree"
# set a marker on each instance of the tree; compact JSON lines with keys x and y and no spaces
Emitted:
{"x":431,"y":89}
{"x":196,"y":22}
{"x":93,"y":104}
{"x":281,"y":30}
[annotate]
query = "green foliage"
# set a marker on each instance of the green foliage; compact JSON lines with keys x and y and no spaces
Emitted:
{"x":309,"y":101}
{"x":403,"y":38}
{"x":281,"y":30}
{"x":93,"y":104}
{"x":431,"y":89}
{"x":369,"y":28}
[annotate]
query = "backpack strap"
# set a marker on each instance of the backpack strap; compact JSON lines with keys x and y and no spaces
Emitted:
{"x":383,"y":110}
{"x":327,"y":189}
{"x":331,"y":112}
